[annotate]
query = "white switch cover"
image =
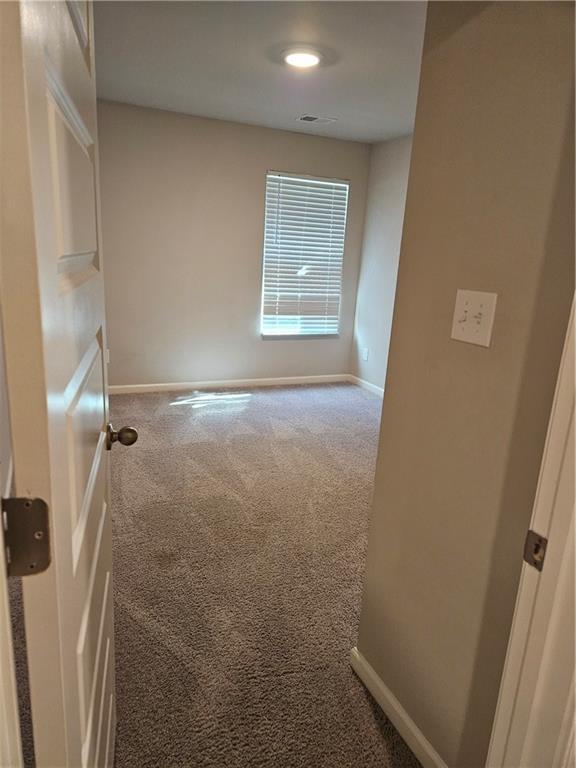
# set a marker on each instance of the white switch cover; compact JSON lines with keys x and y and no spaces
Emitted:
{"x":474,"y":317}
{"x":365,"y":353}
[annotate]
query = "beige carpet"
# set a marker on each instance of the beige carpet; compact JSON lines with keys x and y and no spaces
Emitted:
{"x":240,"y":523}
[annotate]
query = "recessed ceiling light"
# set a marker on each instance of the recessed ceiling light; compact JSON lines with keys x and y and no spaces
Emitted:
{"x":302,"y":59}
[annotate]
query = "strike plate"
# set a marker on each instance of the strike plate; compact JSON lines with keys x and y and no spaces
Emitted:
{"x":535,"y":549}
{"x":26,"y":536}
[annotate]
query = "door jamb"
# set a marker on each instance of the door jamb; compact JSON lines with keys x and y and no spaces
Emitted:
{"x":558,"y":428}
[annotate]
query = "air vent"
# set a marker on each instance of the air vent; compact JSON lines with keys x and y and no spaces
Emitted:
{"x":316,"y":119}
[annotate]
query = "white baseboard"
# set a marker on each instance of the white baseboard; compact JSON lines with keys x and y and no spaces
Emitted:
{"x":120,"y":389}
{"x":396,"y":713}
{"x":366,"y":385}
{"x":177,"y":386}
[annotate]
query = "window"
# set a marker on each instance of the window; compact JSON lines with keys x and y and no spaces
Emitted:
{"x":304,"y":232}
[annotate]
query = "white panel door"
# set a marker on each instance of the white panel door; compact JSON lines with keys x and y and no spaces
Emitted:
{"x":53,"y":313}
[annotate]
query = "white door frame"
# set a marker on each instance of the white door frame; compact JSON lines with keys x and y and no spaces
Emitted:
{"x":544,"y":614}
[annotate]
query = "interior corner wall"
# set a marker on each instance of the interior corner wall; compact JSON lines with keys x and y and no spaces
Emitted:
{"x":490,"y":206}
{"x":183,"y":220}
{"x":385,"y":202}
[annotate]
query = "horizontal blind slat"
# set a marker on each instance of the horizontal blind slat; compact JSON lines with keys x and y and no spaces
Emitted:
{"x":304,"y":234}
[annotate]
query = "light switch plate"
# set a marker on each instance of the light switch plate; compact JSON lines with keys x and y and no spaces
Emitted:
{"x":474,"y":317}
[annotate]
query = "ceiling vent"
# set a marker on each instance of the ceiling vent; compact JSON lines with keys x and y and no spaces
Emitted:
{"x":316,"y":119}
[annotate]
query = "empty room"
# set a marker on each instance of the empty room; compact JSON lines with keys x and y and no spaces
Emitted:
{"x":287,"y":308}
{"x":240,"y":310}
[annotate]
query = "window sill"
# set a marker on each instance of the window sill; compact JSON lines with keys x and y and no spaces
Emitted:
{"x":298,"y":336}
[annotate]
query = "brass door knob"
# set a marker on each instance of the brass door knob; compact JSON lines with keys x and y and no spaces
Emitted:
{"x":125,"y":435}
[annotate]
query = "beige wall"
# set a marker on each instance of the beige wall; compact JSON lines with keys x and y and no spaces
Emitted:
{"x":490,"y":206}
{"x":183,"y":215}
{"x":389,"y":165}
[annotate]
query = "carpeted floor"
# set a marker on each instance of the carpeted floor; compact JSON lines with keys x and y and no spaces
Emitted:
{"x":240,"y":522}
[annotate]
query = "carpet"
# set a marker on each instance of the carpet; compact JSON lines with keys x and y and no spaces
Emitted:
{"x":240,"y":527}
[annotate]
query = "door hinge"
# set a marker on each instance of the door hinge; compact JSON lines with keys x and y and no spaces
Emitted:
{"x":26,"y":536}
{"x":535,"y":549}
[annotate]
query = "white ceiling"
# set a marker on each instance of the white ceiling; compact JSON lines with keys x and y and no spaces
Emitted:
{"x":220,"y":60}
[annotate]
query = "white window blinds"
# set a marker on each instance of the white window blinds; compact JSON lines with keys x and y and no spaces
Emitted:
{"x":305,"y":226}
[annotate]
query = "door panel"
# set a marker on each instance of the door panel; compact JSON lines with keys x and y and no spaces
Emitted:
{"x":80,"y":14}
{"x":73,"y":173}
{"x":84,"y":427}
{"x":57,"y":375}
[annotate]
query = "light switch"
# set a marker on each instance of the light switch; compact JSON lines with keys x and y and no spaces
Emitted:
{"x":474,"y":317}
